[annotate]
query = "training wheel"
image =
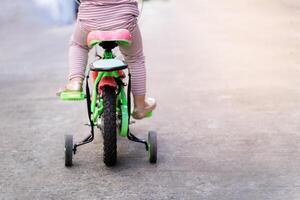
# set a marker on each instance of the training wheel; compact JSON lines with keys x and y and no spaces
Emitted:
{"x":152,"y":146}
{"x":68,"y":150}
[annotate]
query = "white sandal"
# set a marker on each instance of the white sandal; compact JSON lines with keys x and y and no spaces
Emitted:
{"x":140,"y":113}
{"x":72,"y":86}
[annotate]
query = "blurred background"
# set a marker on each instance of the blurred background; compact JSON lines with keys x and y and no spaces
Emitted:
{"x":52,"y":11}
{"x":226,"y":78}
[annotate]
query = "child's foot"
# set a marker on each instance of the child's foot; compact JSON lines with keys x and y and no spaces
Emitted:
{"x":74,"y":85}
{"x":140,"y":113}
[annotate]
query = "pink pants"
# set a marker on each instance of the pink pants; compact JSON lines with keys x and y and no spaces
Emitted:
{"x":134,"y":57}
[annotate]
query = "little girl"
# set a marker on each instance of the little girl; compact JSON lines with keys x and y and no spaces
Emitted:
{"x":107,"y":15}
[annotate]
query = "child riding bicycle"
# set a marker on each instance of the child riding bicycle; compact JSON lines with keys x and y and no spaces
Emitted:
{"x":108,"y":15}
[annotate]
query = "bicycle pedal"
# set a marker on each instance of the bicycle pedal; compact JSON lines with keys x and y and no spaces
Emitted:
{"x":149,"y":114}
{"x":72,"y":96}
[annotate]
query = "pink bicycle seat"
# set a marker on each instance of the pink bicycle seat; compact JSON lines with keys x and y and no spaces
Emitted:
{"x":121,"y":36}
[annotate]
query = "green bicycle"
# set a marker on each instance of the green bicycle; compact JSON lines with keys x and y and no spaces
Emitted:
{"x":108,"y":107}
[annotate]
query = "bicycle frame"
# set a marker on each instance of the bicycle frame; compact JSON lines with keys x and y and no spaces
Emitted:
{"x":95,"y":105}
{"x":122,"y":103}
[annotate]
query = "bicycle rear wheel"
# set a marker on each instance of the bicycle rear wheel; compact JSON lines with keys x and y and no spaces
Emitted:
{"x":109,"y":127}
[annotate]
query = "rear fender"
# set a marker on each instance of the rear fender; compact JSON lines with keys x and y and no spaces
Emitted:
{"x":107,"y":81}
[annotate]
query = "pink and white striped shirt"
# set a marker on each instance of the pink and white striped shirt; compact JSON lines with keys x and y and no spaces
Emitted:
{"x":108,"y":14}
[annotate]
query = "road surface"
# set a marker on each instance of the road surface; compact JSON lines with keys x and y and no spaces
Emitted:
{"x":226,"y":78}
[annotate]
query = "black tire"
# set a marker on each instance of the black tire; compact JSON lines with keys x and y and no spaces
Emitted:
{"x":110,"y":127}
{"x":152,"y":144}
{"x":68,"y":150}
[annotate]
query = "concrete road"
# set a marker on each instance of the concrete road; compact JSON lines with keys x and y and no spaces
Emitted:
{"x":226,"y":77}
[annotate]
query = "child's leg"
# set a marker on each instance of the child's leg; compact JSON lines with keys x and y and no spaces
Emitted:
{"x":135,"y":58}
{"x":78,"y":57}
{"x":78,"y":54}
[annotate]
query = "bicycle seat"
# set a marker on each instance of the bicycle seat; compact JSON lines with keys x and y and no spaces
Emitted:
{"x":108,"y":65}
{"x":120,"y":36}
